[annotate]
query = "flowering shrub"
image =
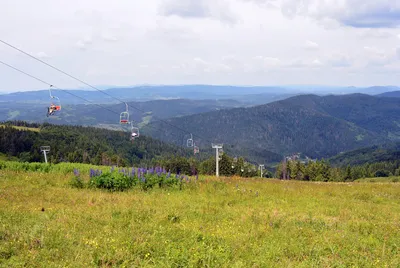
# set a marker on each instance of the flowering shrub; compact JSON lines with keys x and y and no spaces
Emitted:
{"x":123,"y":179}
{"x":77,"y":181}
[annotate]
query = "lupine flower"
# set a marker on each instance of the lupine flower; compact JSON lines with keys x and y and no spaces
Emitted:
{"x":76,"y":172}
{"x":92,"y":173}
{"x":169,"y":174}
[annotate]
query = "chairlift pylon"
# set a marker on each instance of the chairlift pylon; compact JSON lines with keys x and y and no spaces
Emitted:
{"x":55,"y":104}
{"x":124,"y":117}
{"x":189,"y":142}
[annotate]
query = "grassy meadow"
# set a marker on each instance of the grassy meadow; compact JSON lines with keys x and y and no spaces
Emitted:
{"x":227,"y":222}
{"x":24,"y":128}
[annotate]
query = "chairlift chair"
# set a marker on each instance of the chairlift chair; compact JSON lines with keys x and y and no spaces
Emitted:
{"x":135,"y":133}
{"x":55,"y":105}
{"x":124,"y":117}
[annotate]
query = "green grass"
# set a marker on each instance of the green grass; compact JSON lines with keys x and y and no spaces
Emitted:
{"x":4,"y":157}
{"x":211,"y":223}
{"x":384,"y":180}
{"x":24,"y":128}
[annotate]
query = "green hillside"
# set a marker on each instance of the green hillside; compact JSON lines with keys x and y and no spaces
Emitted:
{"x":315,"y":126}
{"x":368,"y":155}
{"x":94,"y":115}
{"x":82,"y":145}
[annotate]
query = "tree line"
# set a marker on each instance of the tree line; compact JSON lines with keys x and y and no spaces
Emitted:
{"x":322,"y":171}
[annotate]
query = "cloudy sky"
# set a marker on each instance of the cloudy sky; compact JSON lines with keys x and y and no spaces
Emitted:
{"x":236,"y":42}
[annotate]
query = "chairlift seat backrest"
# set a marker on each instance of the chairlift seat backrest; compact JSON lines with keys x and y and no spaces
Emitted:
{"x":135,"y":132}
{"x":190,"y":143}
{"x":124,"y":118}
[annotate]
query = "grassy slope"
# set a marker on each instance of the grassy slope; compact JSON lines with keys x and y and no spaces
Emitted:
{"x":226,"y":223}
{"x":25,"y":128}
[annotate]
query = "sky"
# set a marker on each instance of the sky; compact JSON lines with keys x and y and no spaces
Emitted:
{"x":220,"y":42}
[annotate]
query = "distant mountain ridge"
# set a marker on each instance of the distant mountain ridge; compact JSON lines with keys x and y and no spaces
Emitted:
{"x":95,"y":115}
{"x":391,"y":94}
{"x":249,"y":95}
{"x":314,"y":125}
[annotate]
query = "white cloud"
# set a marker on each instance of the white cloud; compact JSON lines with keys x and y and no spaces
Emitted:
{"x":375,"y":33}
{"x":311,"y":45}
{"x":42,"y":55}
{"x":354,"y":13}
{"x":377,"y":57}
{"x":339,"y":61}
{"x":204,"y":41}
{"x":199,"y":9}
{"x":109,"y":37}
{"x":84,"y":43}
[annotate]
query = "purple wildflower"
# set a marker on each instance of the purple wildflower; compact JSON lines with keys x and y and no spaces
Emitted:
{"x":76,"y":172}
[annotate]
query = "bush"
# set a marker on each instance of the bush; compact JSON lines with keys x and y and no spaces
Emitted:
{"x":381,"y":174}
{"x":77,"y":181}
{"x":112,"y":181}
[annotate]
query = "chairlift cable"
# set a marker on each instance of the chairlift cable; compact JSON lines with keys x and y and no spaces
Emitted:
{"x":55,"y":87}
{"x":89,"y":85}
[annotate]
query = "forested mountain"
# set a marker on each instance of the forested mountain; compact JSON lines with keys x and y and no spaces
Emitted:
{"x":22,"y":141}
{"x":83,"y":145}
{"x":313,"y":125}
{"x":391,"y":94}
{"x":95,"y":115}
{"x":368,"y":155}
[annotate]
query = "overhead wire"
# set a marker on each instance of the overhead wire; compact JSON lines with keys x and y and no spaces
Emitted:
{"x":55,"y":87}
{"x":66,"y":91}
{"x":93,"y":87}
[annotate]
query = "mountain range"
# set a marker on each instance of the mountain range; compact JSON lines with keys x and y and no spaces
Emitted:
{"x":312,"y":125}
{"x":247,"y":95}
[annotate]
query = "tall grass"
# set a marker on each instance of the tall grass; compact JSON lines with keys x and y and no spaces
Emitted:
{"x":209,"y":223}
